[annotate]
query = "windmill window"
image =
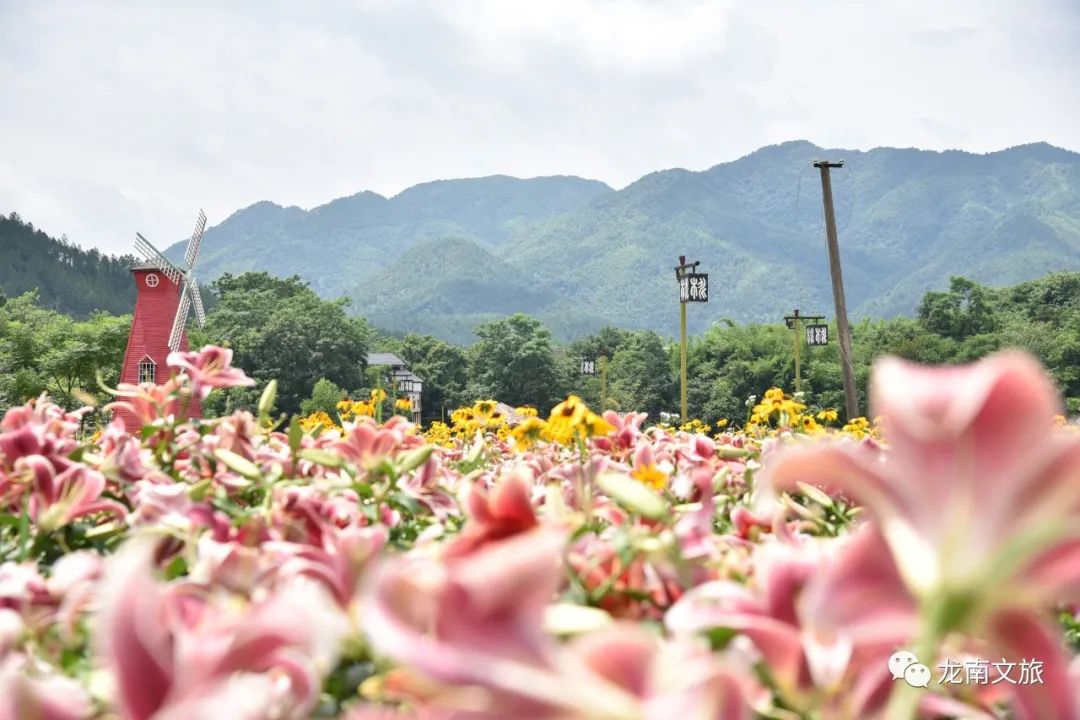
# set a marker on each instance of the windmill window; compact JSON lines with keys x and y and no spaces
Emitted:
{"x":146,"y":371}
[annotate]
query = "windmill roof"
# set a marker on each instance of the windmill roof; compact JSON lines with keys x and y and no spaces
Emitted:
{"x":144,"y":266}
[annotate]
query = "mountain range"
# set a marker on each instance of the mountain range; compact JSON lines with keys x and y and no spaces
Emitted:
{"x":443,"y":256}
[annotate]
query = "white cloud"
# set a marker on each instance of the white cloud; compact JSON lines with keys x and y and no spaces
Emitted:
{"x":122,"y":116}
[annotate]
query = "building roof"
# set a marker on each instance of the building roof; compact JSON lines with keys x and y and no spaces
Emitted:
{"x":383,"y":358}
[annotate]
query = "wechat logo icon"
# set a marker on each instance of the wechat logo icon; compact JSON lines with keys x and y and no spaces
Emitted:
{"x":903,"y":665}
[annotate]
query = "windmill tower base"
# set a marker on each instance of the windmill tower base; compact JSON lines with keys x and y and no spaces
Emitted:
{"x":148,"y":341}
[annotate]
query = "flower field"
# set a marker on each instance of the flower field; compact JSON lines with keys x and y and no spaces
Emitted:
{"x":559,"y":565}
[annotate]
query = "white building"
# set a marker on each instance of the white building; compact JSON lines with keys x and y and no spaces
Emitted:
{"x":405,"y":383}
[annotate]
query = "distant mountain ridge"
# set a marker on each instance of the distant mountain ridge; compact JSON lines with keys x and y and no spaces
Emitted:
{"x":578,"y":254}
{"x":334,"y":245}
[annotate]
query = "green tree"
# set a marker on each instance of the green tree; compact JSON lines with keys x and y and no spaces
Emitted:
{"x":42,"y":350}
{"x":513,"y":362}
{"x":280,"y":329}
{"x":640,"y":377}
{"x":966,"y":309}
{"x":324,"y":397}
{"x":604,"y":343}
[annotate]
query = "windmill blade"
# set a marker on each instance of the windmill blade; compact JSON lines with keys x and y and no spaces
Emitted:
{"x":195,"y":241}
{"x":181,"y":320}
{"x":196,"y":297}
{"x":153,"y":255}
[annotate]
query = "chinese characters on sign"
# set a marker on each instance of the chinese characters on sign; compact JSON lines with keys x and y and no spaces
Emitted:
{"x":588,"y":367}
{"x":817,"y":334}
{"x":984,"y":672}
{"x":694,"y":287}
{"x":903,"y":665}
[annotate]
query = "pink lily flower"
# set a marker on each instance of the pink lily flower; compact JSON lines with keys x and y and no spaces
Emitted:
{"x":625,"y":435}
{"x":506,"y":511}
{"x":12,"y":628}
{"x":57,"y":500}
{"x":975,"y":488}
{"x":209,"y":368}
{"x":977,"y":498}
{"x":825,"y":615}
{"x":29,"y":692}
{"x":339,"y":565}
{"x":148,"y":402}
{"x":475,"y":624}
{"x":366,"y":442}
{"x":177,"y":652}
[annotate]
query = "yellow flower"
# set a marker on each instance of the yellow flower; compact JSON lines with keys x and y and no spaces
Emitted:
{"x":595,"y":425}
{"x":462,"y":416}
{"x":695,"y":426}
{"x":721,"y":423}
{"x":403,"y":404}
{"x":650,"y":475}
{"x":774,"y":394}
{"x":858,"y":427}
{"x":439,"y":434}
{"x":810,"y":426}
{"x":528,"y":433}
{"x":526,"y":411}
{"x":566,"y":420}
{"x":828,"y":415}
{"x":363,"y":409}
{"x":316,"y":420}
{"x":571,"y":410}
{"x":378,"y":395}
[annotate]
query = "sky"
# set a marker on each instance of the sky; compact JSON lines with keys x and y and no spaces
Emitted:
{"x":124,"y":116}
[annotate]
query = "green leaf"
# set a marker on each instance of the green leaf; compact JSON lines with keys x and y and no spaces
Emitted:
{"x":408,"y":502}
{"x":198,"y":491}
{"x":266,"y":400}
{"x":176,"y":568}
{"x":816,"y":494}
{"x":632,"y":495}
{"x":321,"y":457}
{"x":238,"y":463}
{"x":24,"y":535}
{"x":726,"y":452}
{"x":415,"y":458}
{"x":296,"y":434}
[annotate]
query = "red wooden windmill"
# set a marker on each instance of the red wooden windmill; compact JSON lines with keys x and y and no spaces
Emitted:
{"x":158,"y":327}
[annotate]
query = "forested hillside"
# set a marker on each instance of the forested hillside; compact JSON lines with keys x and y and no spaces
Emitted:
{"x":908,"y":220}
{"x":335,"y":245}
{"x":69,"y":279}
{"x":580,"y":255}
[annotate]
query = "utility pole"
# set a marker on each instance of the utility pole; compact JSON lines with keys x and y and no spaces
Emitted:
{"x":851,"y":393}
{"x":793,"y":323}
{"x":682,"y":348}
{"x":603,"y":383}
